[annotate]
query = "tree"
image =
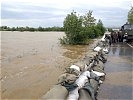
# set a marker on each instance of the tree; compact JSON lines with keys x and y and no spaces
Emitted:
{"x":130,"y":16}
{"x":110,"y":29}
{"x":100,"y":27}
{"x":72,"y":27}
{"x":79,"y":29}
{"x":13,"y":29}
{"x":40,"y":28}
{"x":88,"y":19}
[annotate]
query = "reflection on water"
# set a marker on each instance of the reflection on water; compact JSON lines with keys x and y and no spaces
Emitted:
{"x":115,"y":92}
{"x":32,"y":62}
{"x":119,"y":50}
{"x":118,"y":68}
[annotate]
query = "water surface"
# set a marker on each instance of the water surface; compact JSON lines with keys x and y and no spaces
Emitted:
{"x":32,"y":62}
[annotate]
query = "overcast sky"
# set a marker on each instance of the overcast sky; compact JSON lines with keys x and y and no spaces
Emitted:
{"x":48,"y":13}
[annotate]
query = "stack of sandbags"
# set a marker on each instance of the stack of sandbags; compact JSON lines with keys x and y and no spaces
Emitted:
{"x":65,"y":84}
{"x":57,"y":92}
{"x":82,"y":79}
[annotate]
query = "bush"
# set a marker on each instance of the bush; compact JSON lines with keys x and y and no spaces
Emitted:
{"x":72,"y":27}
{"x":79,"y":29}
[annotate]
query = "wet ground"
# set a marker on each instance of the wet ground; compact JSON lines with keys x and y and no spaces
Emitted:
{"x":118,"y":84}
{"x":32,"y":62}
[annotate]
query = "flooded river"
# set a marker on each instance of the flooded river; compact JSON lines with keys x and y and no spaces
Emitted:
{"x":32,"y":62}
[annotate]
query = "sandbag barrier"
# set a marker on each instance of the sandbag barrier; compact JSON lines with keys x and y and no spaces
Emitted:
{"x":82,"y":80}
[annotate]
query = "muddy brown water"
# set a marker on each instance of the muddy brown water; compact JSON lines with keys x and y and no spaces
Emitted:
{"x":32,"y":62}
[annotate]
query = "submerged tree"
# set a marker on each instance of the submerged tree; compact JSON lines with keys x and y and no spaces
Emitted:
{"x":72,"y":27}
{"x":79,"y":29}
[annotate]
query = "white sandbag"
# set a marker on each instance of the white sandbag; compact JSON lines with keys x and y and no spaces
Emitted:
{"x":73,"y":95}
{"x":80,"y":64}
{"x":83,"y":78}
{"x":98,"y":73}
{"x":103,"y":38}
{"x":105,"y":50}
{"x":97,"y":49}
{"x":75,"y":67}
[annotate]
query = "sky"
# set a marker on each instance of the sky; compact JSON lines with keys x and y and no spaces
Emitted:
{"x":49,"y":13}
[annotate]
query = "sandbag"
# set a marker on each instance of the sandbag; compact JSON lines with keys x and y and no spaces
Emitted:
{"x":84,"y":95}
{"x":73,"y":95}
{"x":103,"y":38}
{"x":88,"y":60}
{"x":106,"y":50}
{"x":97,"y":49}
{"x":67,"y":78}
{"x":102,"y":57}
{"x":101,"y":43}
{"x":96,"y":68}
{"x":100,"y":65}
{"x":98,"y":73}
{"x":83,"y":78}
{"x":95,"y":53}
{"x":89,"y":57}
{"x":75,"y":67}
{"x":94,"y":84}
{"x":92,"y":54}
{"x":72,"y":71}
{"x":80,"y":64}
{"x":57,"y":92}
{"x":99,"y":69}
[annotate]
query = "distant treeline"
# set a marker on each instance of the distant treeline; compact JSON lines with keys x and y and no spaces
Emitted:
{"x":31,"y":29}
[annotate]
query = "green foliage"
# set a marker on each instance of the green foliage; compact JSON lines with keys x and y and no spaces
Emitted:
{"x":72,"y":24}
{"x":31,"y":29}
{"x":79,"y":29}
{"x":5,"y":28}
{"x":88,"y":20}
{"x":72,"y":27}
{"x":110,"y":30}
{"x":130,"y":16}
{"x":40,"y":28}
{"x":100,"y":27}
{"x":92,"y":32}
{"x":13,"y":29}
